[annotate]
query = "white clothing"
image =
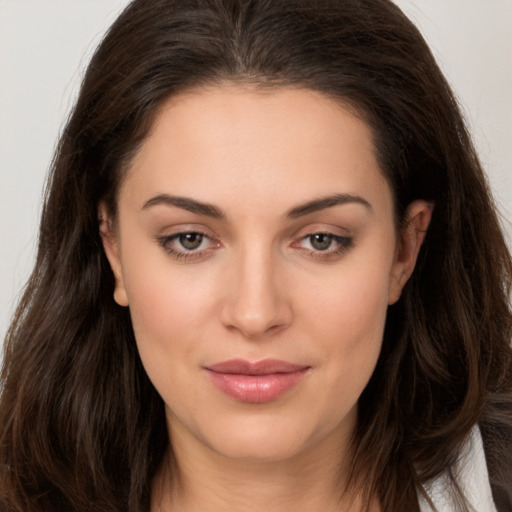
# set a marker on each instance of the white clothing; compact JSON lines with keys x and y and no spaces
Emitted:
{"x":473,"y":479}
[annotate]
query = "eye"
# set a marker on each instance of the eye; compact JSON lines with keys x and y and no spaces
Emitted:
{"x":190,"y":241}
{"x":324,"y":245}
{"x":320,"y":241}
{"x":187,"y":244}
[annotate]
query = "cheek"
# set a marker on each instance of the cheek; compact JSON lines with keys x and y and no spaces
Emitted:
{"x":166,"y":315}
{"x":160,"y":305}
{"x":168,"y":305}
{"x":347,"y":317}
{"x":351,"y":301}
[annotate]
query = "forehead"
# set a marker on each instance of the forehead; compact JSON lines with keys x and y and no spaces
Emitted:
{"x":228,"y":142}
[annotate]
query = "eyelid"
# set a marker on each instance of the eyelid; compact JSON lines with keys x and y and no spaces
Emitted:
{"x":340,"y":236}
{"x":341,"y":242}
{"x":166,"y":240}
{"x":322,"y":228}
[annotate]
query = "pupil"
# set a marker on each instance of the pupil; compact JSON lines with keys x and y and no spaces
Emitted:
{"x":321,"y":242}
{"x":191,"y":240}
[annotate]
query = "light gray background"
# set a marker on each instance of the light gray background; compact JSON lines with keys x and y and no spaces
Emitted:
{"x":45,"y":46}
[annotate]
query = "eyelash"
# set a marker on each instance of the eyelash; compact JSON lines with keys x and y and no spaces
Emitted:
{"x":343,"y":243}
{"x":183,"y":255}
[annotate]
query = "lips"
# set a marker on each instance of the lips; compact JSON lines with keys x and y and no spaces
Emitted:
{"x":257,"y":382}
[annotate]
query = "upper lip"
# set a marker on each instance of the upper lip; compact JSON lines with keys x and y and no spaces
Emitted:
{"x":263,"y":367}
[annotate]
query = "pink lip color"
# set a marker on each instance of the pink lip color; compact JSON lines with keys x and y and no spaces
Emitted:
{"x":258,"y":382}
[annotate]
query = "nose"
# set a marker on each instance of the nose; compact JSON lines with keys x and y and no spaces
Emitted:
{"x":256,"y":304}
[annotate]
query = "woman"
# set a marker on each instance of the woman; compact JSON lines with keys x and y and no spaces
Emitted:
{"x":270,"y":275}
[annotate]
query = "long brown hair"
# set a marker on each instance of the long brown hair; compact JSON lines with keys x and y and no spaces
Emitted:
{"x":81,"y":426}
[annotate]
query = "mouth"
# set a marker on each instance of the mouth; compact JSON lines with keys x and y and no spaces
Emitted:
{"x":257,"y":382}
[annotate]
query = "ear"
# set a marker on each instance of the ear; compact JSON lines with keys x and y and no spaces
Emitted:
{"x":410,"y":238}
{"x":111,"y":248}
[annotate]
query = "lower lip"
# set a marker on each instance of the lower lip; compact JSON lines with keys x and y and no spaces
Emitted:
{"x":256,"y":388}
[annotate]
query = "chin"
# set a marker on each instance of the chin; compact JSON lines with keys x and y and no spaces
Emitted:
{"x":271,"y":439}
{"x":259,"y":448}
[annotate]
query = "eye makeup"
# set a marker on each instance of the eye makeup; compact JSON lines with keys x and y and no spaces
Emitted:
{"x":324,"y":245}
{"x":195,"y":245}
{"x":186,"y":245}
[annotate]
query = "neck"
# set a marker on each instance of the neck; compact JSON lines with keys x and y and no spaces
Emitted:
{"x":205,"y":481}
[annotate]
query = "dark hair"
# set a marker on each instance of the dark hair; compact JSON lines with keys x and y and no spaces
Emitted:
{"x":81,"y":426}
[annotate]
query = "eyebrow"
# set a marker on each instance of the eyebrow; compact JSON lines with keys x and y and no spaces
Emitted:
{"x":210,"y":210}
{"x":327,"y":202}
{"x":186,"y":203}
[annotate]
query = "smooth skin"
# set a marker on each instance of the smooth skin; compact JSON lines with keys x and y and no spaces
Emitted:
{"x":254,"y":225}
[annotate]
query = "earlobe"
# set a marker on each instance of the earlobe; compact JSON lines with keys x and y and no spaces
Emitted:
{"x":110,"y":246}
{"x":411,"y":236}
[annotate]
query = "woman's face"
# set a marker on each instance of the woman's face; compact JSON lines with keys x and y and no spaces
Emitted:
{"x":255,"y":246}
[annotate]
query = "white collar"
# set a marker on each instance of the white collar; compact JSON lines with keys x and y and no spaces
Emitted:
{"x":472,"y":477}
